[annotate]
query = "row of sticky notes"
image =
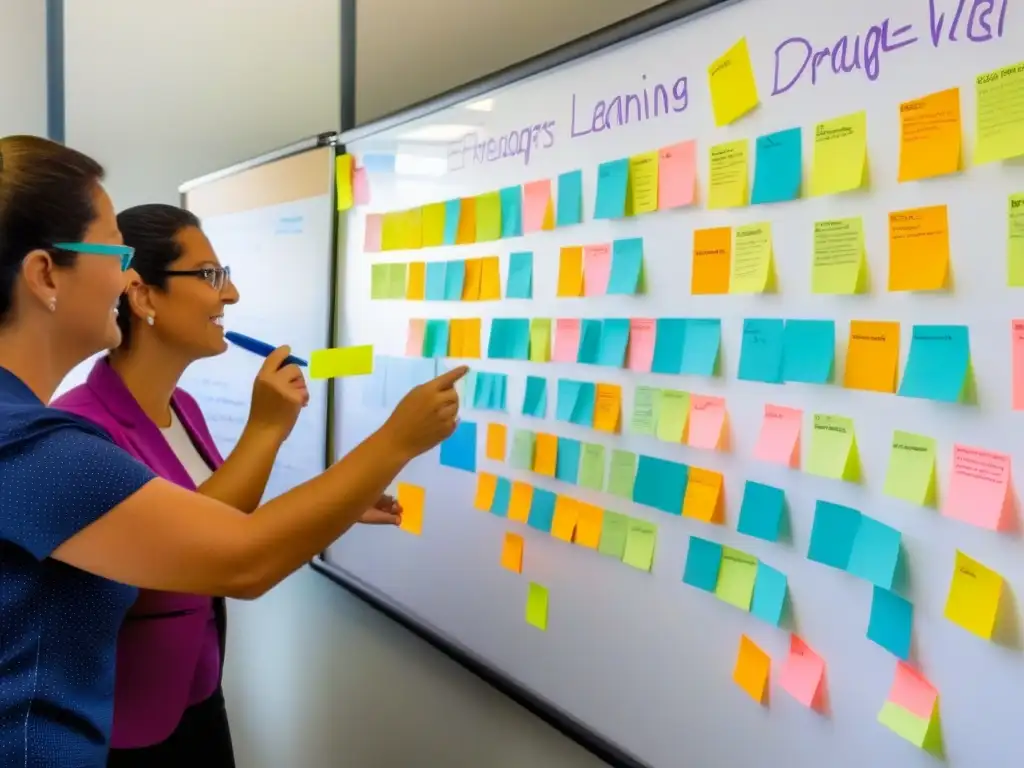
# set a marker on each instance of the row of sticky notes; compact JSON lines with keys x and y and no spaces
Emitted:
{"x":675,"y":416}
{"x":736,"y":578}
{"x":648,"y":182}
{"x":454,"y":280}
{"x":601,"y":269}
{"x":629,"y":539}
{"x":802,"y":674}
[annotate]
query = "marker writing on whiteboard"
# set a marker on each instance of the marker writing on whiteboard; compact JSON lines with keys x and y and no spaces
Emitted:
{"x":260,"y":348}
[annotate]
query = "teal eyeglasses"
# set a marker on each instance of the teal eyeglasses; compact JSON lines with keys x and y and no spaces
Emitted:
{"x":123,"y":252}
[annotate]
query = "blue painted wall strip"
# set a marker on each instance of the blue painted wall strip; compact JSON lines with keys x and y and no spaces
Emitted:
{"x":55,"y":126}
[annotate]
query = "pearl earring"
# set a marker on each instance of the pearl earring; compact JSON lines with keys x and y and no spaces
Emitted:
{"x":151,"y":319}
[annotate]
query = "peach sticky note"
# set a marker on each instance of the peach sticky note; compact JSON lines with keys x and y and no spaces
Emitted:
{"x":707,"y":422}
{"x":414,"y":339}
{"x":588,"y":524}
{"x":497,"y":439}
{"x":919,"y":249}
{"x":567,"y":340}
{"x":803,"y":673}
{"x":471,"y":281}
{"x":512,"y":552}
{"x":563,"y":524}
{"x":519,"y":501}
{"x":930,"y":135}
{"x":545,"y":458}
{"x":570,"y":271}
{"x":597,"y":268}
{"x":677,"y":174}
{"x":415,"y":287}
{"x":490,"y":278}
{"x":979,"y":488}
{"x":873,"y":356}
{"x":372,"y":236}
{"x":360,"y":186}
{"x":779,"y":439}
{"x":641,"y":344}
{"x":703,"y":499}
{"x":1017,"y":357}
{"x":486,"y":485}
{"x":912,"y":691}
{"x":752,"y":668}
{"x":974,"y":595}
{"x":538,"y":211}
{"x":607,"y":408}
{"x":413,"y":499}
{"x":712,"y":261}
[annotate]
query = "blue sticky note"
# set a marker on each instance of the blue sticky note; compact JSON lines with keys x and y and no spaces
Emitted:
{"x":435,"y":338}
{"x":567,"y":396}
{"x":509,"y":339}
{"x":520,"y":276}
{"x":778,"y":167}
{"x":627,"y":266}
{"x":770,"y":588}
{"x":938,"y":363}
{"x":586,"y":399}
{"x":614,"y":340}
{"x":876,"y":552}
{"x":891,"y":623}
{"x":703,"y":337}
{"x":459,"y":450}
{"x":570,"y":199}
{"x":482,"y":391}
{"x":669,"y":339}
{"x":660,"y":484}
{"x":454,"y":277}
{"x":761,"y":350}
{"x":542,"y":510}
{"x":511,"y":211}
{"x":435,"y":280}
{"x":832,"y":534}
{"x":762,"y":511}
{"x":590,"y":342}
{"x":535,"y":400}
{"x":612,"y":182}
{"x":808,"y":351}
{"x":567,"y":468}
{"x":502,"y":495}
{"x":452,"y":211}
{"x":703,"y":560}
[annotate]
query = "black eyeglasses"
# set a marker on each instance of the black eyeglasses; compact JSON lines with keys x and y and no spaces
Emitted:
{"x":215,"y":276}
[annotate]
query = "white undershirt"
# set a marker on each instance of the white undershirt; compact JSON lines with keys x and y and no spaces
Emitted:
{"x":183,"y":447}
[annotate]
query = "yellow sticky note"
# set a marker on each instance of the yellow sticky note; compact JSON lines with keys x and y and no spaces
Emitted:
{"x":455,"y":326}
{"x":512,"y":553}
{"x":545,"y":458}
{"x":432,"y":223}
{"x":537,"y":606}
{"x":570,"y":271}
{"x":345,"y":361}
{"x":911,"y":472}
{"x":412,"y":228}
{"x":712,"y":261}
{"x":413,"y":499}
{"x":919,"y":249}
{"x":343,"y":170}
{"x":471,"y":330}
{"x":840,"y":154}
{"x":672,"y":414}
{"x":391,"y":231}
{"x":486,"y":485}
{"x":490,"y":278}
{"x":588,"y":525}
{"x":472,"y":280}
{"x":703,"y":499}
{"x":873,"y":356}
{"x":729,"y":175}
{"x":752,"y":669}
{"x":540,"y":339}
{"x":1015,"y":242}
{"x":732,"y":84}
{"x":563,"y":524}
{"x":999,"y":134}
{"x":833,"y":451}
{"x":839,"y":264}
{"x":974,"y":595}
{"x":497,"y":440}
{"x":930,"y":136}
{"x":752,"y":268}
{"x":519,"y":501}
{"x":488,"y":216}
{"x":643,"y":182}
{"x":607,"y":408}
{"x":641,"y":540}
{"x":416,"y":286}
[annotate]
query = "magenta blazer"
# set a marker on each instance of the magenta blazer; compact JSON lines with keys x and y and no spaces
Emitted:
{"x":159,"y":647}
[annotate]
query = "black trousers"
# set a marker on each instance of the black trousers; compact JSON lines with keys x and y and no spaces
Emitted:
{"x":202,"y":738}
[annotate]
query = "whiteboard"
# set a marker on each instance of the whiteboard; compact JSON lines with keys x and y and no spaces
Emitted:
{"x":642,"y":658}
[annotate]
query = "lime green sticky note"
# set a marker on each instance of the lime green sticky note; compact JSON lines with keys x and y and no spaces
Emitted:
{"x":614,"y":529}
{"x":838,"y":264}
{"x":736,"y":577}
{"x":537,"y":606}
{"x":523,"y":445}
{"x":488,"y":216}
{"x":833,"y":451}
{"x":396,"y":281}
{"x":345,"y":361}
{"x":622,"y":473}
{"x":592,"y":467}
{"x":911,"y":472}
{"x":924,"y":733}
{"x":672,"y":412}
{"x":641,"y":539}
{"x":380,"y":281}
{"x":1015,"y":243}
{"x":645,"y":411}
{"x":540,"y":339}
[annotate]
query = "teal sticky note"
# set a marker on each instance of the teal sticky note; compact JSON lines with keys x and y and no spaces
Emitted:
{"x":770,"y":588}
{"x":808,"y":351}
{"x":519,"y":284}
{"x":614,"y":340}
{"x":627,"y":266}
{"x":467,"y":393}
{"x":535,"y":399}
{"x":542,"y":510}
{"x":876,"y":552}
{"x":703,"y":560}
{"x":761,"y":350}
{"x":567,"y":466}
{"x":454,"y":277}
{"x":669,"y":339}
{"x":938,"y":363}
{"x":583,"y":410}
{"x":570,"y":199}
{"x":762,"y":511}
{"x":435,"y":280}
{"x":482,"y":392}
{"x":502,"y":495}
{"x":452,"y":211}
{"x":523,"y":443}
{"x":703,"y":337}
{"x":435,"y":338}
{"x":891,"y":622}
{"x":778,"y":167}
{"x":660,"y":484}
{"x":509,"y":339}
{"x":568,"y":393}
{"x":590,"y":342}
{"x":832,"y":534}
{"x":511,"y":211}
{"x":612,"y":183}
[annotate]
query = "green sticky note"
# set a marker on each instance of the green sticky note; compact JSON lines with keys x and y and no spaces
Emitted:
{"x":1015,"y":243}
{"x":924,"y":733}
{"x":645,"y":411}
{"x":622,"y":474}
{"x":736,"y":578}
{"x":380,"y":281}
{"x":537,"y":606}
{"x":488,"y":216}
{"x":540,"y":340}
{"x":614,"y":529}
{"x":911,"y":472}
{"x":838,"y":262}
{"x":641,"y":539}
{"x":592,"y":467}
{"x":673,"y":410}
{"x":523,"y":442}
{"x":396,"y":281}
{"x":833,"y":452}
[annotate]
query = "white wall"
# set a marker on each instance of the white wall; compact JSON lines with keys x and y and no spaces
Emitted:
{"x":23,"y":67}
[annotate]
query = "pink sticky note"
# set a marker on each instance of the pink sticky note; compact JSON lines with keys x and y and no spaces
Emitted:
{"x":779,"y":441}
{"x":803,"y":673}
{"x":641,"y":344}
{"x":536,"y":201}
{"x":567,"y":340}
{"x":414,"y":341}
{"x":677,"y":174}
{"x":597,"y":268}
{"x":360,"y":187}
{"x":911,"y":691}
{"x":1017,"y":355}
{"x":374,"y":227}
{"x":707,"y":422}
{"x":979,"y":488}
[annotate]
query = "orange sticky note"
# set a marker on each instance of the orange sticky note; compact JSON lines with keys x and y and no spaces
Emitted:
{"x":919,"y":249}
{"x":519,"y":501}
{"x":538,"y":210}
{"x":471,"y":281}
{"x":930,"y":136}
{"x":455,"y":337}
{"x":979,"y":488}
{"x":703,"y":499}
{"x":570,"y":272}
{"x":1017,"y":357}
{"x":512,"y":552}
{"x":588,"y":524}
{"x":413,"y":499}
{"x":486,"y":485}
{"x":597,"y":268}
{"x":873,"y":356}
{"x":707,"y":422}
{"x":490,"y":279}
{"x":803,"y":673}
{"x":607,"y":407}
{"x":779,"y":439}
{"x":752,"y":668}
{"x":567,"y":340}
{"x":912,"y":691}
{"x":466,"y":232}
{"x":415,"y":287}
{"x":545,"y":457}
{"x":563,"y":524}
{"x":497,"y":440}
{"x":677,"y":174}
{"x":414,"y":339}
{"x":712,"y":261}
{"x":471,"y":330}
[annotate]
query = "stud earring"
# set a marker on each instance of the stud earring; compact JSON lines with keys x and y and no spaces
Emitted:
{"x":151,"y":319}
{"x":53,"y":304}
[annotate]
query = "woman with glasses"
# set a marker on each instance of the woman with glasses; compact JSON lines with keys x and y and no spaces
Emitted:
{"x":85,"y":524}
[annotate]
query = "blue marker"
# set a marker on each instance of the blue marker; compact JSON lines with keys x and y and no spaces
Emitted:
{"x":260,"y":348}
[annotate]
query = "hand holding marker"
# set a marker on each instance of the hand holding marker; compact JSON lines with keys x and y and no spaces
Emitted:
{"x":260,"y":348}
